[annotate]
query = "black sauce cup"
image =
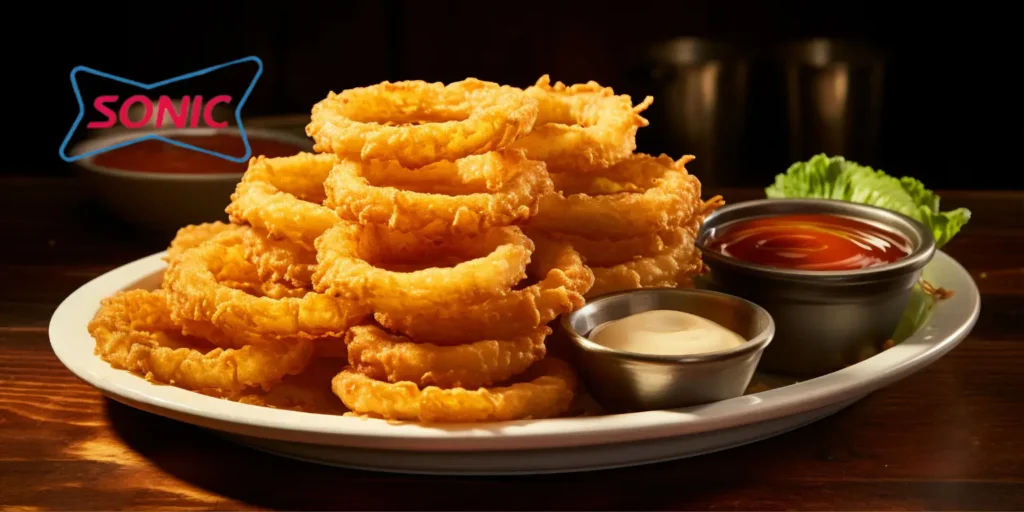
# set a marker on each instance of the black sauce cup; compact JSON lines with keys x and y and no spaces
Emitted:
{"x":825,"y":320}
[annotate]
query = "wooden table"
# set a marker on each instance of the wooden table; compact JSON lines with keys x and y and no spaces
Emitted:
{"x":949,"y":437}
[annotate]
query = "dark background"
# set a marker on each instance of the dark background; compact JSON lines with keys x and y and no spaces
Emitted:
{"x":952,"y":92}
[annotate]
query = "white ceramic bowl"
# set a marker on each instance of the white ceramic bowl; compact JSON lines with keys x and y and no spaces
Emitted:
{"x":164,"y":201}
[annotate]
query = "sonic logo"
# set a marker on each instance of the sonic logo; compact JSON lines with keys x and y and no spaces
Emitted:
{"x":164,"y":108}
{"x":163,"y":111}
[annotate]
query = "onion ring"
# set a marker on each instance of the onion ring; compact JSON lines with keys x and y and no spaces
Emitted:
{"x":279,"y":261}
{"x":196,"y":293}
{"x":351,"y":256}
{"x":372,"y":193}
{"x":464,"y":118}
{"x":134,"y":331}
{"x":563,"y":279}
{"x":610,"y":252}
{"x":250,"y":280}
{"x":309,"y":391}
{"x":283,"y":196}
{"x":241,"y":276}
{"x":191,"y":236}
{"x":670,"y":196}
{"x":383,"y":356}
{"x":547,"y":395}
{"x":674,"y":267}
{"x":581,"y":128}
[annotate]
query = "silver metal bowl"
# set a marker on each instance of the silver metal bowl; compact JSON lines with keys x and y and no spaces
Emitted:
{"x":825,"y":320}
{"x":626,"y":381}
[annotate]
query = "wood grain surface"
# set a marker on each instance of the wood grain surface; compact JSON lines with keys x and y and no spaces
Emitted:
{"x":948,"y":437}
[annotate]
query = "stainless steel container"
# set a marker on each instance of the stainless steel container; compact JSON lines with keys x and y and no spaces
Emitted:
{"x":626,"y":381}
{"x":825,"y":320}
{"x":700,"y":103}
{"x":834,"y":99}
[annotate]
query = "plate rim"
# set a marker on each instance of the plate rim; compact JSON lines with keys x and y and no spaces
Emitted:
{"x":67,"y":331}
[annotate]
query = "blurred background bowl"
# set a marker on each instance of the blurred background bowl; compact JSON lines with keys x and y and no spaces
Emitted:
{"x":164,"y":201}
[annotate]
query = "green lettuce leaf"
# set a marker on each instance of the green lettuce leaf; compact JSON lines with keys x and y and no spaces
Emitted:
{"x":824,"y":177}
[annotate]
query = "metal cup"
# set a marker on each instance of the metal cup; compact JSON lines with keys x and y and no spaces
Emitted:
{"x":700,"y":103}
{"x":626,"y":381}
{"x":825,"y":320}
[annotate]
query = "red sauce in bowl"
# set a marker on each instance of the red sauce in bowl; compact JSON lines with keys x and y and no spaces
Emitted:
{"x":160,"y":157}
{"x":810,"y":242}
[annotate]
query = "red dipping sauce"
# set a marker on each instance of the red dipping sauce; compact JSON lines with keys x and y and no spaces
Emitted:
{"x":810,"y":242}
{"x":161,"y":157}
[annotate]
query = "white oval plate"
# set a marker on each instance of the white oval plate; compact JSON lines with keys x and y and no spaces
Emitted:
{"x":532,"y":446}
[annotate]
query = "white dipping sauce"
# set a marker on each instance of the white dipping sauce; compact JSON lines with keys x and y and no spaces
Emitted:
{"x":665,"y":332}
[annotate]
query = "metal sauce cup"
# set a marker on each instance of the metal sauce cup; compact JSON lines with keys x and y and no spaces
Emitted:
{"x":826,"y":320}
{"x":626,"y":381}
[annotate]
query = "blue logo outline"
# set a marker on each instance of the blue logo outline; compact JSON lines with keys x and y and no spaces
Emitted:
{"x":147,"y":87}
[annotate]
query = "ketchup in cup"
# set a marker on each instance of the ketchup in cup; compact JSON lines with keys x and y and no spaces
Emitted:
{"x":816,"y":242}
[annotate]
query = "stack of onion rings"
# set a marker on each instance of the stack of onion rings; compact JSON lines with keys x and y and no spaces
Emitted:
{"x":414,"y":265}
{"x":429,"y":240}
